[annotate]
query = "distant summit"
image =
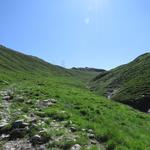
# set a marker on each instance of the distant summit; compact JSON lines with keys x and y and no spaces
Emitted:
{"x":88,"y":69}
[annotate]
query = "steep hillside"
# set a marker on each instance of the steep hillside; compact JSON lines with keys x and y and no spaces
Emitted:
{"x":14,"y":62}
{"x":42,"y":111}
{"x":128,"y":83}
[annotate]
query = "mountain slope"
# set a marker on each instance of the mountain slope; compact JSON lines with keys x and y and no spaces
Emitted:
{"x":12,"y":61}
{"x":59,"y":112}
{"x":128,"y":83}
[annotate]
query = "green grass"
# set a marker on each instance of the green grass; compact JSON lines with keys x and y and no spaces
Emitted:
{"x":116,"y":126}
{"x":127,"y":82}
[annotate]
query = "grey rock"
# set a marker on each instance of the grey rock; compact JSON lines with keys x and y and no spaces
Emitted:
{"x":7,"y":98}
{"x":90,"y":131}
{"x":53,"y":100}
{"x":19,"y":144}
{"x":5,"y":136}
{"x":73,"y":129}
{"x":46,"y":103}
{"x":93,"y":142}
{"x":76,"y":147}
{"x":36,"y":139}
{"x":91,"y":136}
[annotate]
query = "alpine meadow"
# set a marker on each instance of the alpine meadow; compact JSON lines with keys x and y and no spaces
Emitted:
{"x":74,"y":75}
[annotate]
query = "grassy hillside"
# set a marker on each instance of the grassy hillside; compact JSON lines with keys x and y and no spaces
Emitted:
{"x":70,"y":115}
{"x":128,"y":83}
{"x":13,"y":62}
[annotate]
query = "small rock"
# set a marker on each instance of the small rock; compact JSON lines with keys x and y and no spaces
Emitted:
{"x":5,"y":136}
{"x":90,"y":131}
{"x":148,"y":111}
{"x":36,"y":139}
{"x":76,"y":147}
{"x":7,"y":98}
{"x":91,"y":136}
{"x":17,"y":133}
{"x":45,"y":103}
{"x":93,"y":142}
{"x":73,"y":129}
{"x":53,"y":100}
{"x":19,"y":124}
{"x":42,"y":147}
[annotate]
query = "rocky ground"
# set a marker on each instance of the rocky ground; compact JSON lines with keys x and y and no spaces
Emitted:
{"x":20,"y":134}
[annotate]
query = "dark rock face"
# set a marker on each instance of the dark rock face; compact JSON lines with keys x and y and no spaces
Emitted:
{"x":142,"y":104}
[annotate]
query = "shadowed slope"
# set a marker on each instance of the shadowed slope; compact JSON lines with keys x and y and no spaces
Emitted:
{"x":128,"y":83}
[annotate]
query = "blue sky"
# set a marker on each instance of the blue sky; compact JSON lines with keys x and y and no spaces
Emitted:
{"x":93,"y":33}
